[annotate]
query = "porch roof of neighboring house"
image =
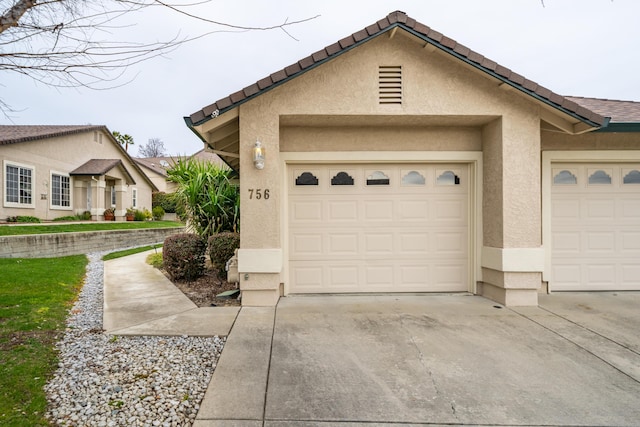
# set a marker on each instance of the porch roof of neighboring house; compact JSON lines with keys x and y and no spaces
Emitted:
{"x":580,"y":117}
{"x":13,"y":134}
{"x":99,"y":167}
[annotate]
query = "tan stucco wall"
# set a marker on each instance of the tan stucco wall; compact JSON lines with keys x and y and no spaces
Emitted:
{"x":467,"y":112}
{"x":590,"y":141}
{"x":402,"y":138}
{"x":62,"y":155}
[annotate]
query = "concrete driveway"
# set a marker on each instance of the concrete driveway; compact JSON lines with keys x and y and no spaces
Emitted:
{"x":439,"y":359}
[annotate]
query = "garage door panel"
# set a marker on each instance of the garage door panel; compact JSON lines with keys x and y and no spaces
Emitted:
{"x":600,"y":209}
{"x":343,"y":244}
{"x":450,"y":211}
{"x":453,"y":242}
{"x":413,"y":243}
{"x":566,"y":242}
{"x":344,"y":210}
{"x":378,"y":238}
{"x":631,"y":242}
{"x":378,"y":210}
{"x":306,"y":212}
{"x":630,"y":273}
{"x":601,"y":242}
{"x":598,"y":246}
{"x":449,"y":277}
{"x":566,"y":209}
{"x":413,"y":209}
{"x":308,"y":244}
{"x":307,"y":278}
{"x":630,"y":208}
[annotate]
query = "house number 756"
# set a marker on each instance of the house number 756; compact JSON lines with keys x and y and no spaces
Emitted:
{"x":259,"y":193}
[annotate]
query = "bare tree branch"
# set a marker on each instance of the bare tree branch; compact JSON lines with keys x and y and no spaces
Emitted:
{"x":73,"y":43}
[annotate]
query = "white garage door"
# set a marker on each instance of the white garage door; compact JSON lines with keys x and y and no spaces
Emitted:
{"x":595,"y":227}
{"x":378,"y":228}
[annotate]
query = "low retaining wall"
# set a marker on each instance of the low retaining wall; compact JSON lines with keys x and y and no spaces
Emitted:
{"x":62,"y":244}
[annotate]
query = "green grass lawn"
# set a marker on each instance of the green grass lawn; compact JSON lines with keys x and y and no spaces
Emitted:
{"x":127,"y":252}
{"x":13,"y":230}
{"x":35,"y":296}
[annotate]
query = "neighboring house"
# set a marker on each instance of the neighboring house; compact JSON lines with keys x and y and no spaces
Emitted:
{"x":54,"y":171}
{"x":156,"y":167}
{"x":398,"y":160}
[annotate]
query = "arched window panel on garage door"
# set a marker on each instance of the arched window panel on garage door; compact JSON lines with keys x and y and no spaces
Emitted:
{"x":631,"y":176}
{"x":412,"y":178}
{"x":307,"y":178}
{"x":564,"y":177}
{"x":599,"y":177}
{"x":377,"y":178}
{"x":342,"y":178}
{"x":447,"y":177}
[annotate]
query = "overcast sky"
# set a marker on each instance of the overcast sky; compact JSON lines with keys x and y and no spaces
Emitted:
{"x":574,"y":47}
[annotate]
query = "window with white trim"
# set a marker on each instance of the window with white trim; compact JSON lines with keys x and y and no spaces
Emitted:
{"x":134,"y":197}
{"x":18,"y":187}
{"x":113,"y":195}
{"x":60,"y":191}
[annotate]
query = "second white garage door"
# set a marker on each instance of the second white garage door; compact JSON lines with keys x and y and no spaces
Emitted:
{"x":378,"y":228}
{"x":595,"y":226}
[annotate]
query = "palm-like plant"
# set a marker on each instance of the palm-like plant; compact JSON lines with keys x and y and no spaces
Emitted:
{"x":211,"y":203}
{"x":124,"y":139}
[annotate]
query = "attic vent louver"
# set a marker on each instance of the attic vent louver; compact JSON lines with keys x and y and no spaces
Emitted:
{"x":390,"y":84}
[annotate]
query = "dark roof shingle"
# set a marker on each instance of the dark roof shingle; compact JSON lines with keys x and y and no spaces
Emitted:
{"x":618,"y":111}
{"x":442,"y":42}
{"x":12,"y":134}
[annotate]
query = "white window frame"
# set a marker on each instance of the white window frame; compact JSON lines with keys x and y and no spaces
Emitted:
{"x":112,"y":196}
{"x":60,"y":207}
{"x":18,"y":165}
{"x":134,"y":198}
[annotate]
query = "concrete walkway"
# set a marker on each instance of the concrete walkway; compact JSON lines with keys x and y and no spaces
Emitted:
{"x":399,"y":360}
{"x":140,"y":300}
{"x":430,"y":360}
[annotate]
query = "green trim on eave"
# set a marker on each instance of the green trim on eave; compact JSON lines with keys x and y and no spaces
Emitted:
{"x":621,"y":127}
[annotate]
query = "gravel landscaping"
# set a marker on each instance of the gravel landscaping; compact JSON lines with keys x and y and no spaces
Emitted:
{"x":107,"y":380}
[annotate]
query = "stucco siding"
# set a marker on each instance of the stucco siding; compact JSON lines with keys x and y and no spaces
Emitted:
{"x":61,"y":155}
{"x":590,"y":141}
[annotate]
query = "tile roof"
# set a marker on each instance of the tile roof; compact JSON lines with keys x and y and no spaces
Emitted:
{"x":100,"y":167}
{"x":399,"y":19}
{"x":155,"y":163}
{"x":619,"y":111}
{"x":12,"y":134}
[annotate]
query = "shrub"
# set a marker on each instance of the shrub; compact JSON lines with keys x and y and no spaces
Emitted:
{"x":167,"y":201}
{"x":183,"y":256}
{"x":84,"y":216}
{"x":155,"y":260}
{"x":142,"y":215}
{"x":23,"y":218}
{"x":222,"y":247}
{"x":211,"y":203}
{"x":66,"y":218}
{"x":158,"y":213}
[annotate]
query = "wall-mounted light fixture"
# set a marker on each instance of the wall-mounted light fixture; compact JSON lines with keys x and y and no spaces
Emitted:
{"x":258,"y":155}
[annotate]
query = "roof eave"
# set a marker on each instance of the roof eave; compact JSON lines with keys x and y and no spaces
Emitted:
{"x":589,"y":123}
{"x":502,"y":79}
